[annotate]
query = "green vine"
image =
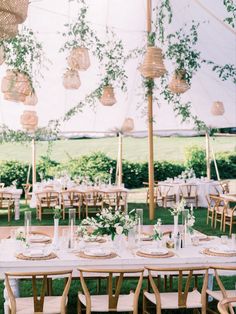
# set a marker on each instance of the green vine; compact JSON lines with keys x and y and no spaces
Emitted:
{"x":163,"y":15}
{"x":224,"y":72}
{"x":181,"y":50}
{"x":230,"y":6}
{"x":24,"y":54}
{"x":79,"y":33}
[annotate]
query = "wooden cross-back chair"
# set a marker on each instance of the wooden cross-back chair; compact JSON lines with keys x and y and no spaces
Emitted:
{"x":165,"y":194}
{"x":7,"y":202}
{"x":229,"y":218}
{"x":225,"y":305}
{"x":189,"y":193}
{"x":71,"y":198}
{"x":225,"y":186}
{"x":221,"y":293}
{"x":39,"y":302}
{"x":113,"y":300}
{"x":183,"y":298}
{"x":115,"y":200}
{"x":92,"y":202}
{"x":46,"y":200}
{"x":27,"y":187}
{"x":213,"y":203}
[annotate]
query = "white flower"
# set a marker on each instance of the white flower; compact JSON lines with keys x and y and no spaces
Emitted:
{"x":119,"y":229}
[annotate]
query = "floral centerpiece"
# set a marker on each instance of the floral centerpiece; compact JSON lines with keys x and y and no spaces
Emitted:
{"x":20,"y":234}
{"x":177,"y":209}
{"x":157,"y":233}
{"x":187,"y":174}
{"x":110,"y":223}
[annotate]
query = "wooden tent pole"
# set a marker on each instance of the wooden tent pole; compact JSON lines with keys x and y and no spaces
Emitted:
{"x":33,"y":162}
{"x":214,"y":159}
{"x":120,"y":159}
{"x":150,"y":128}
{"x":208,"y":164}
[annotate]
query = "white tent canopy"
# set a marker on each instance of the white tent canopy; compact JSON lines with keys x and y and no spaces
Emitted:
{"x":128,"y":20}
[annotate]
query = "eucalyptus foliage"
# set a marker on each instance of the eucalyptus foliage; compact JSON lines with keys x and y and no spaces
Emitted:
{"x":230,"y":6}
{"x":24,"y":53}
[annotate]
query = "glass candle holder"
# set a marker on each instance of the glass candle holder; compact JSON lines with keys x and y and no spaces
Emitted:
{"x":139,"y":215}
{"x":71,"y":226}
{"x":27,"y":223}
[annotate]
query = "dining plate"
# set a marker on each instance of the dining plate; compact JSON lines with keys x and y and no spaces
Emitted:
{"x":153,"y":251}
{"x":97,"y":252}
{"x":222,"y":250}
{"x":37,"y":238}
{"x":35,"y":253}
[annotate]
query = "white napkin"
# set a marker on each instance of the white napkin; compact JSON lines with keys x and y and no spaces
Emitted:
{"x":36,"y":252}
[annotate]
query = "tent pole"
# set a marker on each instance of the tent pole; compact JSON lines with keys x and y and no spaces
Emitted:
{"x":33,"y":162}
{"x":208,"y":165}
{"x":120,"y":159}
{"x":150,"y":128}
{"x":216,"y":167}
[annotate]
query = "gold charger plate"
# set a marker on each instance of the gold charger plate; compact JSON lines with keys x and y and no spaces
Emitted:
{"x":108,"y":256}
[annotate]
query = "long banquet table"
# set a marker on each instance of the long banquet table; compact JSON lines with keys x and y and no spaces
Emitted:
{"x":67,"y":259}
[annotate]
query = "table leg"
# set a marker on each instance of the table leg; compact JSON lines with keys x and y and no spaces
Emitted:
{"x":17,"y":208}
{"x":15,"y":288}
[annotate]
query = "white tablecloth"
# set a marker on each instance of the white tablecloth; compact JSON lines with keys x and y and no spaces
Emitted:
{"x":204,"y":187}
{"x":189,"y":256}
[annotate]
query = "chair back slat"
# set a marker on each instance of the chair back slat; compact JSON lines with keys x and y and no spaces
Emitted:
{"x":113,"y":298}
{"x":37,"y":292}
{"x":225,"y":305}
{"x":183,"y":285}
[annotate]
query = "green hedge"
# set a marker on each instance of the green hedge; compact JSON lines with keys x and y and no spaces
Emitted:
{"x":134,"y":174}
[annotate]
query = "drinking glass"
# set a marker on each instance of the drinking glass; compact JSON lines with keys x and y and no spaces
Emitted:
{"x":224,"y":239}
{"x":233,"y":239}
{"x":71,"y":226}
{"x":131,"y":239}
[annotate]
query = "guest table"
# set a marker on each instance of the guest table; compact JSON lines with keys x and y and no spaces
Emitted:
{"x":125,"y":258}
{"x":204,"y":187}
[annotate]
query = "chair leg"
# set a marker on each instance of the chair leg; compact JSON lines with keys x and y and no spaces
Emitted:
{"x":79,"y":307}
{"x":231,"y":225}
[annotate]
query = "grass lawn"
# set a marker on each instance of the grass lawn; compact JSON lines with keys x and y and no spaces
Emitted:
{"x":163,"y":213}
{"x":135,"y":149}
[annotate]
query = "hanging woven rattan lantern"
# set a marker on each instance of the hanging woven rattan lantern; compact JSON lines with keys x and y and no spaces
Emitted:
{"x":128,"y":125}
{"x":8,"y":31}
{"x":2,"y":54}
{"x":153,"y":65}
{"x":15,"y":86}
{"x":13,"y":11}
{"x":29,"y":120}
{"x":108,"y":97}
{"x":71,"y":79}
{"x":217,"y":108}
{"x":178,"y":85}
{"x":31,"y":99}
{"x":79,"y":59}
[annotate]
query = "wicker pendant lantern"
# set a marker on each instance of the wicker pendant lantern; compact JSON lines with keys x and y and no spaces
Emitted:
{"x":128,"y":125}
{"x":31,"y":99}
{"x":217,"y":108}
{"x":71,"y":79}
{"x":15,"y":86}
{"x":79,"y":59}
{"x":108,"y":97}
{"x":8,"y":31}
{"x":2,"y":54}
{"x":12,"y":13}
{"x":178,"y":85}
{"x":153,"y":65}
{"x":29,"y":120}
